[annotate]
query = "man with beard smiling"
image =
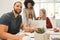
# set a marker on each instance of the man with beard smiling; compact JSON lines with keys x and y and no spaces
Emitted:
{"x":11,"y":22}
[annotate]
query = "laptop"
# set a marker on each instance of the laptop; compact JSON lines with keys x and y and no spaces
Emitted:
{"x":38,"y":23}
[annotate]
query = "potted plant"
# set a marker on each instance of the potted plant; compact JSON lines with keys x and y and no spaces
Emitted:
{"x":40,"y":34}
{"x":40,"y":30}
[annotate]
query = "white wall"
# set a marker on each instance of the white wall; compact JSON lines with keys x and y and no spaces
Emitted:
{"x":6,"y":6}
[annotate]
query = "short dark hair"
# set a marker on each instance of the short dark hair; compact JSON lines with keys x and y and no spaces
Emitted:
{"x":29,"y":1}
{"x":17,"y":2}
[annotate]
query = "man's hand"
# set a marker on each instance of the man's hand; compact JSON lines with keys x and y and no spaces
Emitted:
{"x":29,"y":29}
{"x":21,"y":36}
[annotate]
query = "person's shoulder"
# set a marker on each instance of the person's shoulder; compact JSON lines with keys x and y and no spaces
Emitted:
{"x":47,"y":18}
{"x":37,"y":18}
{"x":6,"y":15}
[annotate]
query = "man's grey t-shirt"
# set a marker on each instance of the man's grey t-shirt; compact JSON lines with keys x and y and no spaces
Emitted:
{"x":12,"y":22}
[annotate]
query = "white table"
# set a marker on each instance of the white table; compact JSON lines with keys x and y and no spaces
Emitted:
{"x":31,"y":35}
{"x":52,"y":34}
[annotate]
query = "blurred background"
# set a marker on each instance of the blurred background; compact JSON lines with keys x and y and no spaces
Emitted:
{"x":52,"y":7}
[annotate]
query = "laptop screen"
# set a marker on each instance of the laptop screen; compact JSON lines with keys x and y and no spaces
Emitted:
{"x":38,"y":23}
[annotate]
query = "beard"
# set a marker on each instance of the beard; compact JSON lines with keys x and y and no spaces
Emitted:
{"x":17,"y":11}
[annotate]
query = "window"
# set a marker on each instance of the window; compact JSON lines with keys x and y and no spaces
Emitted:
{"x":48,"y":5}
{"x":57,"y":11}
{"x":52,"y":7}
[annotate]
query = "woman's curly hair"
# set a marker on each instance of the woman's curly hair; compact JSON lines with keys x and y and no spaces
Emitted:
{"x":29,"y":1}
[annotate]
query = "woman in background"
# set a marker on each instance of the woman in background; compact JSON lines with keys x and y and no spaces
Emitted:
{"x":28,"y":12}
{"x":42,"y":16}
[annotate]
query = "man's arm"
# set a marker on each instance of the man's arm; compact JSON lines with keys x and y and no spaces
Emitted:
{"x":5,"y":35}
{"x":27,"y":29}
